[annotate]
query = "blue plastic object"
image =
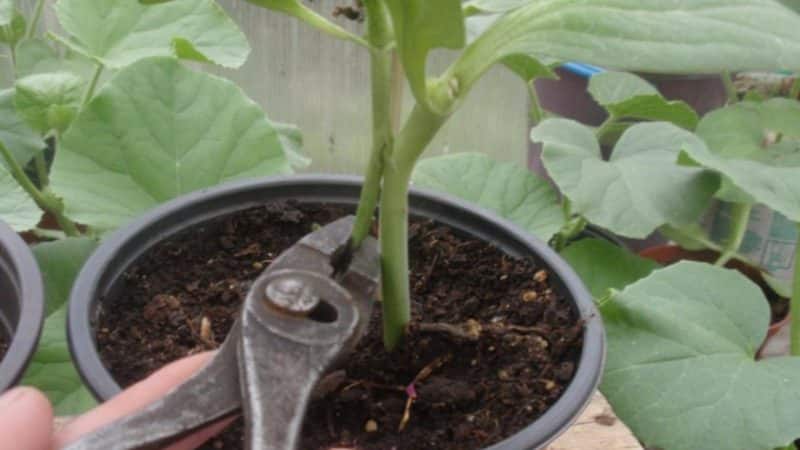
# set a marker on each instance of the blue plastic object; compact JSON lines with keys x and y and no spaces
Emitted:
{"x":583,"y":70}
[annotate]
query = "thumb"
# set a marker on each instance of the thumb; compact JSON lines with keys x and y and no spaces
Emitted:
{"x":26,"y":420}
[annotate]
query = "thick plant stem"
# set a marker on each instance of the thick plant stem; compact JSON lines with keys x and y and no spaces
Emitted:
{"x":794,"y":307}
{"x":379,"y":35}
{"x":92,"y":84}
{"x":417,"y":133}
{"x":605,"y":127}
{"x":45,"y":199}
{"x":740,"y":217}
{"x":536,"y":112}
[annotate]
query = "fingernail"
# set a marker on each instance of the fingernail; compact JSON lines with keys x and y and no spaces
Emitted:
{"x":13,"y":396}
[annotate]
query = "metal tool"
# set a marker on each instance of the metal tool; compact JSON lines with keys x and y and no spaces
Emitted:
{"x":300,"y":316}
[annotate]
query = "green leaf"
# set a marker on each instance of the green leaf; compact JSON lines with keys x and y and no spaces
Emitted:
{"x":627,"y":96}
{"x":51,"y":369}
{"x":15,"y":134}
{"x":640,"y":188}
{"x":793,"y":4}
{"x":756,"y":146}
{"x":655,"y":36}
{"x":603,"y":265}
{"x":16,"y":207}
{"x":419,"y":27}
{"x":493,"y":6}
{"x":681,"y":371}
{"x":292,"y":141}
{"x":690,"y":237}
{"x":612,"y":88}
{"x":11,"y":32}
{"x":507,"y":189}
{"x":35,"y":56}
{"x":524,"y":66}
{"x":156,"y":131}
{"x":120,"y":32}
{"x":49,"y":101}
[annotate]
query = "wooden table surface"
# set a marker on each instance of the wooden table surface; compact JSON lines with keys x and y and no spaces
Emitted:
{"x":597,"y":429}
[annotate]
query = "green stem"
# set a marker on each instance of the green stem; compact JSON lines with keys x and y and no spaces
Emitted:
{"x":571,"y":229}
{"x":536,"y":112}
{"x":309,"y":16}
{"x":417,"y":133}
{"x":605,"y":127}
{"x":794,"y":307}
{"x":12,"y":52}
{"x":740,"y":217}
{"x":379,"y":34}
{"x":34,"y":23}
{"x":45,"y":199}
{"x":92,"y":84}
{"x":730,"y":88}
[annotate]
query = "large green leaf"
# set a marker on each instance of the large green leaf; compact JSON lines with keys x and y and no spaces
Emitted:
{"x":16,"y":207}
{"x":524,"y":66}
{"x":612,"y":88}
{"x":156,"y":131}
{"x":510,"y":190}
{"x":37,"y":56}
{"x":603,"y":265}
{"x":756,"y":146}
{"x":49,"y":101}
{"x":627,"y":96}
{"x":15,"y":134}
{"x":120,"y":32}
{"x":640,"y":188}
{"x":51,"y":369}
{"x":419,"y":27}
{"x":678,"y":36}
{"x":681,"y":371}
{"x":492,"y":6}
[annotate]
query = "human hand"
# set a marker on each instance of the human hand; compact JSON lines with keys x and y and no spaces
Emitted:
{"x":26,"y":417}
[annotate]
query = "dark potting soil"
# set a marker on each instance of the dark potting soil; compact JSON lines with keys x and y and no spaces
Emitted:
{"x":491,"y":348}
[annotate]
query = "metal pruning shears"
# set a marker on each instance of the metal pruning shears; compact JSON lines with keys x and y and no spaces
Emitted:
{"x":300,"y":316}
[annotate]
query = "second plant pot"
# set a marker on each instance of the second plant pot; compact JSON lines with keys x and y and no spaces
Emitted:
{"x":21,"y":309}
{"x":104,"y":273}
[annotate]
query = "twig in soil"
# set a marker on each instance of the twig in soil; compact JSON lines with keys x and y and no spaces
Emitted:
{"x":411,"y":390}
{"x":471,"y":330}
{"x":372,"y":385}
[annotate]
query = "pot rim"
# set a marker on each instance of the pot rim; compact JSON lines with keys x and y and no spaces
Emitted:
{"x":94,"y":274}
{"x":17,"y":258}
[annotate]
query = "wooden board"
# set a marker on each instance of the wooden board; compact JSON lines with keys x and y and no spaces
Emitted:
{"x":597,"y":429}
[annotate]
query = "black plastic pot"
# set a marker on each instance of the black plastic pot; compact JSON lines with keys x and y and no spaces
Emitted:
{"x":22,"y":305}
{"x":99,"y":277}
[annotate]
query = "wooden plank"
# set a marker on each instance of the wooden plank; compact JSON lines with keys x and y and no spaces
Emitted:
{"x":597,"y":429}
